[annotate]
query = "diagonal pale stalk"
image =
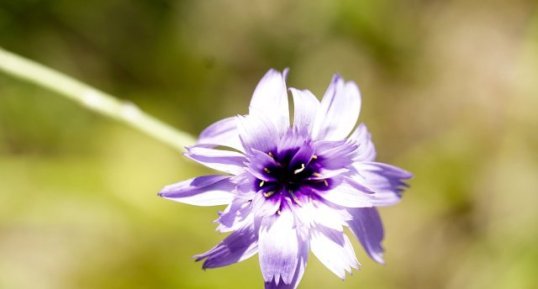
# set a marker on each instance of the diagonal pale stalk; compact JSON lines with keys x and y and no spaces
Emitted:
{"x":93,"y":99}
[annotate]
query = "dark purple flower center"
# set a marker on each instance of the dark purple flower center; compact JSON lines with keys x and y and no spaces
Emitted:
{"x":293,"y":173}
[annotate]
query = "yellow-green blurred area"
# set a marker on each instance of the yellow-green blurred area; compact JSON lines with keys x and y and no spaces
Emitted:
{"x":450,"y":93}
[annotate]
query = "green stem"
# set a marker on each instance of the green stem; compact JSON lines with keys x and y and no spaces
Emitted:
{"x":92,"y":99}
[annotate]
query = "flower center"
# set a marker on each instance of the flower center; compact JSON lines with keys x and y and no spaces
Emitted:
{"x":291,"y":173}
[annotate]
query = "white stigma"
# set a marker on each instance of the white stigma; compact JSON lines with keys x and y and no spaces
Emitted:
{"x":299,"y":169}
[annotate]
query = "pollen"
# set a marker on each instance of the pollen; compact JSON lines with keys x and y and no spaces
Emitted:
{"x":268,"y":194}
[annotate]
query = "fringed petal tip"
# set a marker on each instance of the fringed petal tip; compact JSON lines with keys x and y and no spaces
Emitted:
{"x":238,"y":246}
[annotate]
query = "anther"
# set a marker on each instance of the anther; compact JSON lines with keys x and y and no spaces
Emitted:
{"x":271,"y":154}
{"x":326,"y":183}
{"x":299,"y":169}
{"x":262,"y":183}
{"x":314,"y":157}
{"x":266,"y":170}
{"x":317,"y":175}
{"x":268,"y":194}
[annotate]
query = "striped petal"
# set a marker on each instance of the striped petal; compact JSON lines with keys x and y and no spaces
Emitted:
{"x":339,"y":111}
{"x":368,"y":228}
{"x":279,"y":248}
{"x":201,"y":191}
{"x":346,"y":195}
{"x":334,"y":250}
{"x":366,"y":149}
{"x":306,"y":107}
{"x":221,"y":133}
{"x":270,"y":99}
{"x":239,"y":246}
{"x":221,"y":160}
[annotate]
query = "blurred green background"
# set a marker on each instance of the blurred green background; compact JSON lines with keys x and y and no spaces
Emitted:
{"x":450,"y":92}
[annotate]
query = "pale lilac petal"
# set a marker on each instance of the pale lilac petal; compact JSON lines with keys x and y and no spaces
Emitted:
{"x":256,"y":132}
{"x":236,"y":215}
{"x":335,"y":154}
{"x":297,"y":276}
{"x":334,"y":250}
{"x":278,"y":248}
{"x":386,"y":181}
{"x":258,"y":161}
{"x":270,"y":99}
{"x":366,"y":150}
{"x":289,"y":140}
{"x":263,"y":208}
{"x":201,"y":191}
{"x":346,"y":195}
{"x":221,"y":133}
{"x":329,"y":174}
{"x":305,"y":152}
{"x":238,"y":246}
{"x":368,"y":228}
{"x":313,"y":214}
{"x":305,"y":107}
{"x":222,"y":160}
{"x":340,"y":108}
{"x":302,"y":258}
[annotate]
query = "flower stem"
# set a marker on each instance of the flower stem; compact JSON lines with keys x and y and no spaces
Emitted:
{"x":93,"y":99}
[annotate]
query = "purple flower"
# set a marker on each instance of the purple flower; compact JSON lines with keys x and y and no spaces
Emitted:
{"x":291,"y":187}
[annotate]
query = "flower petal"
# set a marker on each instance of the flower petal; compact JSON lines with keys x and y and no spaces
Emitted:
{"x":337,"y":257}
{"x":305,"y":106}
{"x":346,"y":195}
{"x":221,"y":160}
{"x":257,"y":162}
{"x":366,"y":150}
{"x":270,"y":99}
{"x":256,"y":132}
{"x":340,"y":108}
{"x":386,"y":181}
{"x":236,"y":215}
{"x":221,"y":133}
{"x":299,"y":270}
{"x":297,"y":276}
{"x":313,"y":213}
{"x":238,"y":246}
{"x":278,"y":248}
{"x":335,"y":155}
{"x":368,"y":228}
{"x":201,"y":191}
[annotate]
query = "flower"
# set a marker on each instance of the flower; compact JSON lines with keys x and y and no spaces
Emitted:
{"x":292,"y":187}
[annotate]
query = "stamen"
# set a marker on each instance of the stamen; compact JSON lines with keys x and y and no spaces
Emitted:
{"x":266,"y":170}
{"x":299,"y":169}
{"x":268,"y":194}
{"x":314,"y":157}
{"x":317,"y":175}
{"x":262,"y":183}
{"x":271,"y":154}
{"x":326,"y":183}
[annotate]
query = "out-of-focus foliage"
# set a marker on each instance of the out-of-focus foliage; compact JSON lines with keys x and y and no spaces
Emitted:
{"x":450,"y":93}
